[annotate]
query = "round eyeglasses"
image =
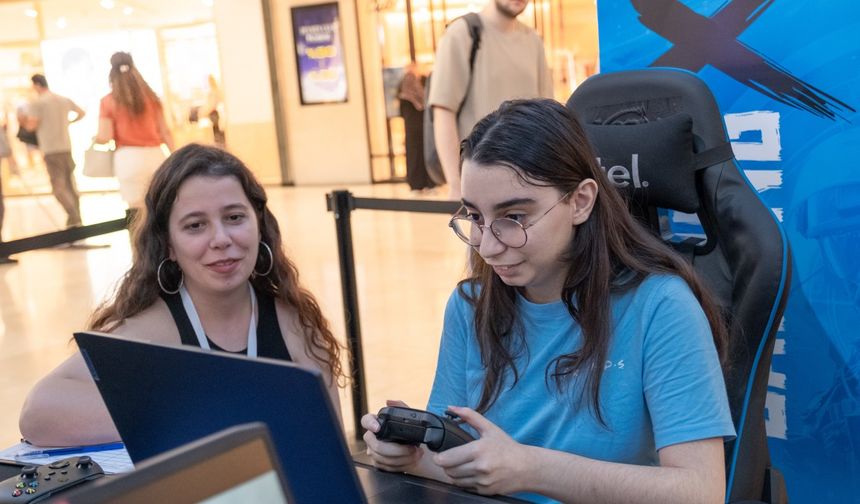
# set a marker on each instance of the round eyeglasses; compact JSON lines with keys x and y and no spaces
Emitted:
{"x":509,"y":232}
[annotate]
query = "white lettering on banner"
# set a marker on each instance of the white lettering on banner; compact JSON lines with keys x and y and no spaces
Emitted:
{"x":776,"y":380}
{"x":768,"y":149}
{"x":774,"y":403}
{"x":774,"y":415}
{"x":620,"y":176}
{"x":764,"y":121}
{"x":763,"y":180}
{"x":779,"y":347}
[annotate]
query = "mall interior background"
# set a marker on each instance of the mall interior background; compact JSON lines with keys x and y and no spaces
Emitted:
{"x":248,"y":49}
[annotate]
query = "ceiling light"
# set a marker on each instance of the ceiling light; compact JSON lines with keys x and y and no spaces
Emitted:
{"x":31,"y":13}
{"x":208,"y":3}
{"x":107,"y":4}
{"x":61,"y":23}
{"x":127,"y":10}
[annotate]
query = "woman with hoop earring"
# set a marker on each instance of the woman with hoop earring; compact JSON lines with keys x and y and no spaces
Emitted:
{"x":209,"y":271}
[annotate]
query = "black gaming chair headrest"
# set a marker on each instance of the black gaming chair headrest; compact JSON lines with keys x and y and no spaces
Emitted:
{"x":641,"y":125}
{"x":652,"y":163}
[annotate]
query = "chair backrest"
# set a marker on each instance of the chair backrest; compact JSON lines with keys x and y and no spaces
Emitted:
{"x":661,"y":139}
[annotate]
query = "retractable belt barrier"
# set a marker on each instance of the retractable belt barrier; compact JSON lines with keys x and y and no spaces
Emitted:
{"x":342,"y":203}
{"x":55,"y":238}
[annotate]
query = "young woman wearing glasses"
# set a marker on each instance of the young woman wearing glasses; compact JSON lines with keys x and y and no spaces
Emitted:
{"x":583,"y":354}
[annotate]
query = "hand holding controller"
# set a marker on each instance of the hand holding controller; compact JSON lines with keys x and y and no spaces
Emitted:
{"x":36,"y":483}
{"x":412,"y":426}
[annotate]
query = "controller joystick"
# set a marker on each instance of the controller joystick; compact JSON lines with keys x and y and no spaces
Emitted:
{"x":411,"y":426}
{"x":36,"y":483}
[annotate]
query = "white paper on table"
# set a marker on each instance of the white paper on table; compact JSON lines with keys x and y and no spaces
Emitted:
{"x":111,"y":461}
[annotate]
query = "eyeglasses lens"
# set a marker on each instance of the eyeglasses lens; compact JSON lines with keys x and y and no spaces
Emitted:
{"x":467,"y":230}
{"x":507,"y":231}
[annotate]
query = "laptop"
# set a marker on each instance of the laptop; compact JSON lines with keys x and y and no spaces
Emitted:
{"x":162,"y":397}
{"x":235,"y":465}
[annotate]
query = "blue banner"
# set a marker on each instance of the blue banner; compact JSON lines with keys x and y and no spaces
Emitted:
{"x":786,"y":75}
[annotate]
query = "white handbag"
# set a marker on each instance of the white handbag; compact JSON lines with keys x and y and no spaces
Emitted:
{"x":98,"y":162}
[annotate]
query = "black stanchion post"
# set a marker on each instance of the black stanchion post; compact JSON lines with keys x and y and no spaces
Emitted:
{"x":341,"y":203}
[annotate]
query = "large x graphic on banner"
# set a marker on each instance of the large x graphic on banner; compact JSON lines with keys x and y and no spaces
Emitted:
{"x":700,"y":40}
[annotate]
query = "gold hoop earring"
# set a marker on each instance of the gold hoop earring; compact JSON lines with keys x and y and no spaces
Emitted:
{"x":161,"y":284}
{"x":271,"y":260}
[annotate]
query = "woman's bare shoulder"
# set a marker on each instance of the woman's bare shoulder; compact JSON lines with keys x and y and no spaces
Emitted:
{"x":153,"y":324}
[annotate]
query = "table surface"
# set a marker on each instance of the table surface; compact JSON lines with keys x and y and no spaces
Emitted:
{"x":418,"y":489}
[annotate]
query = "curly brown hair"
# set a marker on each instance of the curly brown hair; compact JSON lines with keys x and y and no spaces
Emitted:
{"x":139,"y":288}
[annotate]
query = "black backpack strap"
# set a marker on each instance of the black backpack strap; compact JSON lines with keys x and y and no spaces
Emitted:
{"x":473,"y":20}
{"x":475,"y":28}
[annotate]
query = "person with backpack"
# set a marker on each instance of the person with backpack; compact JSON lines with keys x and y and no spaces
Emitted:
{"x":482,"y":60}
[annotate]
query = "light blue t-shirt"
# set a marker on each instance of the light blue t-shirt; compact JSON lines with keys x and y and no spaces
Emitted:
{"x":662,"y":383}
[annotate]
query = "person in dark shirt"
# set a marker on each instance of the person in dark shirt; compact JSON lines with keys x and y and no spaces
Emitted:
{"x":208,"y":270}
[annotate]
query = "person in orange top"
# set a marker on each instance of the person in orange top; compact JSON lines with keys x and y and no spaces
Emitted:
{"x":132,"y":116}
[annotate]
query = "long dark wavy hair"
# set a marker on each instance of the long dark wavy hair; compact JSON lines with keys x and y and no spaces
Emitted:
{"x":610,"y":252}
{"x":129,"y":89}
{"x":139,"y":288}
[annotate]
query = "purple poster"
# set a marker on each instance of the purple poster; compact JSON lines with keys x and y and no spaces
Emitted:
{"x":319,"y":54}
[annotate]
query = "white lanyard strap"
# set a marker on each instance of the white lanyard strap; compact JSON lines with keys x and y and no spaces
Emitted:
{"x":191,"y":311}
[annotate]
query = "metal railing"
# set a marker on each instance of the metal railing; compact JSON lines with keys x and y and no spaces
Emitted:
{"x":342,"y":203}
{"x":55,"y":238}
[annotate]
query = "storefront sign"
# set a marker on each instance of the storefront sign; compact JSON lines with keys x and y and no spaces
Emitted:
{"x":785,"y":74}
{"x":319,"y":54}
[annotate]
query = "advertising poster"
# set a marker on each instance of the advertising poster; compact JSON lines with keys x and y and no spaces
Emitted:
{"x":319,"y":54}
{"x":786,"y":75}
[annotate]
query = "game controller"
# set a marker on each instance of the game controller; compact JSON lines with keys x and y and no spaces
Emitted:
{"x":36,"y":483}
{"x":412,"y":426}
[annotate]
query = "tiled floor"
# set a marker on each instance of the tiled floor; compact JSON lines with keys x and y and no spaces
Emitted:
{"x":406,"y":266}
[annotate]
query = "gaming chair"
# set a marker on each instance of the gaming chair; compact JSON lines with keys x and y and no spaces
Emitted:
{"x":661,"y":139}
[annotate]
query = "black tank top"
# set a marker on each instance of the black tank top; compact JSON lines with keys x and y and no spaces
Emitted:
{"x":270,"y":341}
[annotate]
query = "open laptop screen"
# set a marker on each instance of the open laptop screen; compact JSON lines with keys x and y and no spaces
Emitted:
{"x":161,"y":397}
{"x":252,"y":482}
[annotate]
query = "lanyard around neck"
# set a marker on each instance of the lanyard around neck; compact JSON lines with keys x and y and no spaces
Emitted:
{"x":191,"y":311}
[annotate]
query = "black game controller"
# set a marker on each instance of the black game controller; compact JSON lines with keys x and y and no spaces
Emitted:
{"x":412,"y":426}
{"x":36,"y":483}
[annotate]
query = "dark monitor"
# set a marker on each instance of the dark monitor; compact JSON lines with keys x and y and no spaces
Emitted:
{"x":235,"y":465}
{"x":161,"y":397}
